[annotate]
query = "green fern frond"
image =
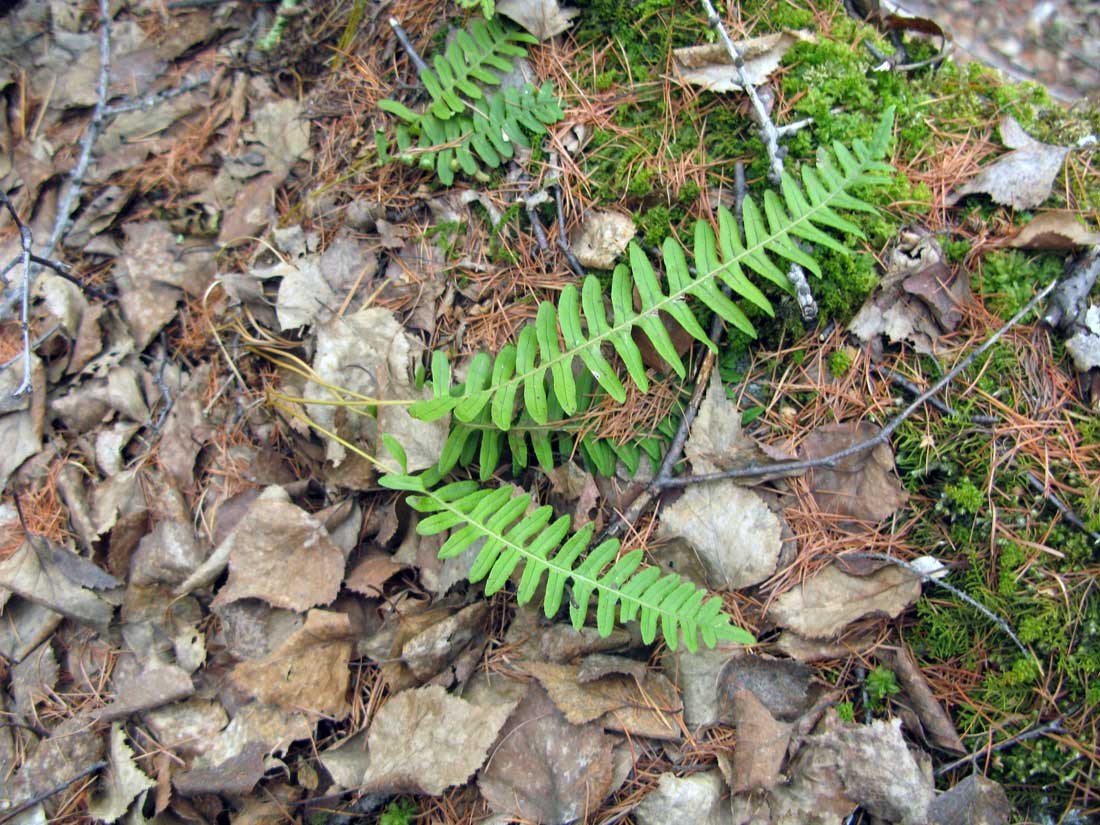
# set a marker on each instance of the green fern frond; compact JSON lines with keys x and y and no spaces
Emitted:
{"x":542,"y":548}
{"x":578,"y":328}
{"x":466,"y":126}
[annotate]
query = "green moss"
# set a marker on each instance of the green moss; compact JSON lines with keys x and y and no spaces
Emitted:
{"x":839,"y":363}
{"x":965,"y":496}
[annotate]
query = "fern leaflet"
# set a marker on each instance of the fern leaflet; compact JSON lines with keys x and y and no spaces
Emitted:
{"x":542,"y":548}
{"x":518,"y":375}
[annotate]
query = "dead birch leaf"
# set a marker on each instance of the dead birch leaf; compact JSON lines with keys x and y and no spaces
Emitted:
{"x":281,"y":554}
{"x":431,"y":650}
{"x":309,"y":671}
{"x":371,"y":572}
{"x":157,"y":685}
{"x":696,"y":675}
{"x":863,"y":486}
{"x":716,"y":441}
{"x":545,"y":769}
{"x":761,"y":743}
{"x":783,"y":687}
{"x":425,"y":741}
{"x":710,"y":66}
{"x":121,"y":784}
{"x":34,"y":679}
{"x":695,"y":799}
{"x":734,"y":532}
{"x":824,"y":604}
{"x":1053,"y":230}
{"x":1023,"y":178}
{"x":937,"y":725}
{"x":532,"y":639}
{"x":543,"y":18}
{"x":71,"y":747}
{"x":1084,"y":345}
{"x":974,"y":800}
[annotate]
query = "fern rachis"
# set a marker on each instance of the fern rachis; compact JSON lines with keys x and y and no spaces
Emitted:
{"x":519,"y":370}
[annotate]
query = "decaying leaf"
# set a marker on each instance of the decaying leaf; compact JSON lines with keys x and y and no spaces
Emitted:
{"x":695,"y":799}
{"x":431,"y":650}
{"x":974,"y":801}
{"x":762,"y":743}
{"x":710,"y":66}
{"x":122,"y":782}
{"x":920,"y":297}
{"x":280,"y":553}
{"x":543,"y":18}
{"x":862,"y":486}
{"x":617,"y":701}
{"x":1054,"y":230}
{"x":425,"y":740}
{"x":71,"y":747}
{"x":545,"y":769}
{"x":736,"y":535}
{"x":937,"y":725}
{"x":785,"y":688}
{"x":371,"y":572}
{"x":33,"y":679}
{"x":158,"y":684}
{"x":309,"y":671}
{"x":825,"y":603}
{"x":531,"y":638}
{"x":716,"y":441}
{"x":601,"y":238}
{"x":1024,"y":177}
{"x":1084,"y":345}
{"x":696,"y":675}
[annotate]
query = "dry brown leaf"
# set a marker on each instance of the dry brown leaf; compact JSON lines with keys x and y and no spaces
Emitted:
{"x":974,"y":801}
{"x":159,"y":684}
{"x":696,"y":676}
{"x":431,"y":650}
{"x":34,"y":576}
{"x":371,"y":572}
{"x":785,"y":688}
{"x":309,"y":671}
{"x":937,"y":725}
{"x":425,"y":741}
{"x":531,"y":638}
{"x":1053,"y":230}
{"x":33,"y":679}
{"x":863,"y":486}
{"x":545,"y":769}
{"x":735,"y":534}
{"x":281,"y":554}
{"x":828,"y":601}
{"x":710,"y":66}
{"x":71,"y":747}
{"x":1024,"y":177}
{"x":761,"y":743}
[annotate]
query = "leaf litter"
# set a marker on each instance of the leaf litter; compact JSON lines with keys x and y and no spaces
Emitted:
{"x":258,"y":623}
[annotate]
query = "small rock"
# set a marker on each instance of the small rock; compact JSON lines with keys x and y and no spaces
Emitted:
{"x":602,"y":238}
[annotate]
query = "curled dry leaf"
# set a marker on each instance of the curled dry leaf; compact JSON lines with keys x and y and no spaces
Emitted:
{"x":545,"y":769}
{"x":710,"y":66}
{"x":1053,"y":230}
{"x":425,"y":741}
{"x":937,"y":725}
{"x":863,"y":486}
{"x":34,"y":576}
{"x":1024,"y":177}
{"x":762,"y":743}
{"x":824,"y":604}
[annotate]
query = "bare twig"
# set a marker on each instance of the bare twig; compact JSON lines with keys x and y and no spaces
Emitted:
{"x":1050,"y":727}
{"x":403,"y":38}
{"x":153,"y":100}
{"x":10,"y":814}
{"x":26,"y":240}
{"x":76,"y":177}
{"x":563,"y":238}
{"x":830,"y":461}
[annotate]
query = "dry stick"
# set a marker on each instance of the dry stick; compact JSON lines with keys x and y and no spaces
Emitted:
{"x":1050,"y":727}
{"x":406,"y":44}
{"x":830,"y":461}
{"x":153,"y":100}
{"x":931,"y":577}
{"x":563,"y":239}
{"x":10,"y":814}
{"x":26,"y":240}
{"x":770,"y":135}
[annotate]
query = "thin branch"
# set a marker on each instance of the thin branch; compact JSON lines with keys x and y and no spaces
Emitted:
{"x":830,"y":461}
{"x":10,"y":814}
{"x":931,"y":577}
{"x":76,"y":178}
{"x":26,"y":240}
{"x":403,"y":38}
{"x":153,"y":100}
{"x":1050,"y":727}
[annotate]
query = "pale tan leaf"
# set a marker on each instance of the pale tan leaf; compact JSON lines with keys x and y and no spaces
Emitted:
{"x":121,"y":784}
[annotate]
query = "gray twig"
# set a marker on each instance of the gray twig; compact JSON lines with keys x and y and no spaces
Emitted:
{"x":931,"y":577}
{"x":563,"y":238}
{"x":153,"y":100}
{"x":403,"y":38}
{"x":27,"y":804}
{"x":76,"y":177}
{"x":830,"y":461}
{"x":1050,"y":727}
{"x":1069,"y":299}
{"x":770,"y":135}
{"x":26,"y":240}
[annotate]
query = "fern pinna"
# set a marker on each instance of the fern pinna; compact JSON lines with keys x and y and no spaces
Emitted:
{"x":542,"y":548}
{"x":578,"y":327}
{"x":466,"y":126}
